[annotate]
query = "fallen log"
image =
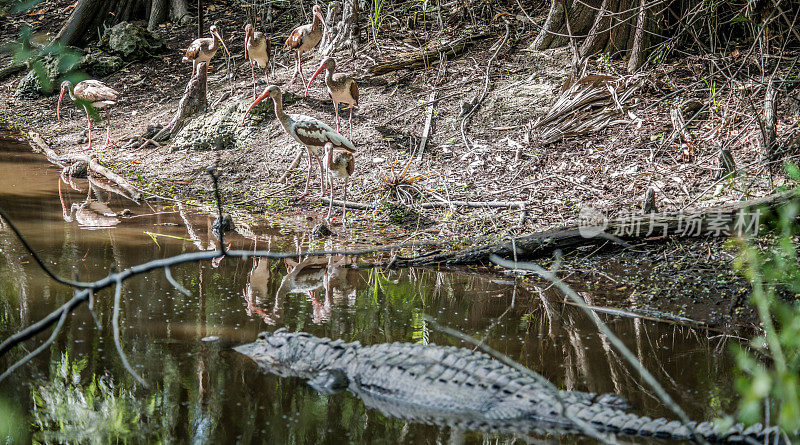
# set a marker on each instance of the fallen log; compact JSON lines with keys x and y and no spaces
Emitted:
{"x":10,"y":70}
{"x":520,"y":205}
{"x":349,"y":204}
{"x":39,"y":144}
{"x":736,"y":219}
{"x":426,"y":58}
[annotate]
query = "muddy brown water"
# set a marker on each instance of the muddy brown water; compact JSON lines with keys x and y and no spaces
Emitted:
{"x":77,"y":389}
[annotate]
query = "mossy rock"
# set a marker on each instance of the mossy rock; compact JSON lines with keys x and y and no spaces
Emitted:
{"x":46,"y":72}
{"x":99,"y":64}
{"x":222,"y":129}
{"x":132,"y":41}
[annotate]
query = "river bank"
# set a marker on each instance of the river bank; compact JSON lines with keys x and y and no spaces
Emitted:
{"x":608,"y":170}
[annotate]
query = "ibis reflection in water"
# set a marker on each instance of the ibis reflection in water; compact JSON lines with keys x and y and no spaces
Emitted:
{"x":324,"y":280}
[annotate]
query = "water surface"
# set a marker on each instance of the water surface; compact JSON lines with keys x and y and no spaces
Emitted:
{"x":77,"y":390}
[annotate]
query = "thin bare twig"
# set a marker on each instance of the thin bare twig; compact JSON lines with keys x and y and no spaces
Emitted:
{"x":38,"y":350}
{"x":115,"y":326}
{"x":174,"y":283}
{"x":478,"y":100}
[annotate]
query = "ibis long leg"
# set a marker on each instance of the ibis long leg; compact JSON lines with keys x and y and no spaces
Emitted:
{"x":89,"y":120}
{"x":344,"y":202}
{"x":253,"y":72}
{"x":321,"y":177}
{"x":308,"y":176}
{"x":300,"y":68}
{"x":351,"y":122}
{"x":336,"y":107}
{"x":108,"y":128}
{"x":296,"y":61}
{"x":330,"y":203}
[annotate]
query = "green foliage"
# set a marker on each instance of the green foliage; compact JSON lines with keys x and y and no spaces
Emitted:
{"x":711,"y":85}
{"x":377,"y":16}
{"x":660,"y":54}
{"x":12,"y":424}
{"x":774,"y":275}
{"x":68,"y":410}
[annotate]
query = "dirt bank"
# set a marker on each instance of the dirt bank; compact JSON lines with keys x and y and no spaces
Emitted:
{"x":607,"y":170}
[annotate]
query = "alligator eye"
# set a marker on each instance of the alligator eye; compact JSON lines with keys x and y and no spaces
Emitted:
{"x":262,"y":336}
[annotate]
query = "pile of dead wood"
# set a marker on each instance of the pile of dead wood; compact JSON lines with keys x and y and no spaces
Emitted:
{"x":587,"y":105}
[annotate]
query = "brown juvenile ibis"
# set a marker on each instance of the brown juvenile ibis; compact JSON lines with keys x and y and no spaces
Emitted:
{"x":338,"y":162}
{"x":203,"y":49}
{"x":305,"y":38}
{"x":342,"y":88}
{"x":91,"y":92}
{"x":257,"y":49}
{"x":306,"y":130}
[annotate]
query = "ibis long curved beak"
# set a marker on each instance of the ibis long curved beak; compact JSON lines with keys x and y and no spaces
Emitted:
{"x":256,"y":102}
{"x":324,"y":26}
{"x":58,"y":108}
{"x":223,"y":42}
{"x":319,"y":70}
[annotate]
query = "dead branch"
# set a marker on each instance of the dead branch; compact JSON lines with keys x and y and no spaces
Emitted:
{"x":429,"y":115}
{"x":474,"y":204}
{"x":585,"y":106}
{"x":427,"y":58}
{"x":348,"y":204}
{"x":295,"y":163}
{"x":60,"y":160}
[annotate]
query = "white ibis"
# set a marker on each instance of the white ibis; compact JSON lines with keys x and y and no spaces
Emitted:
{"x":306,"y":130}
{"x":305,"y":38}
{"x":91,"y":92}
{"x":340,"y":163}
{"x":342,"y":88}
{"x":257,"y":49}
{"x":203,"y":49}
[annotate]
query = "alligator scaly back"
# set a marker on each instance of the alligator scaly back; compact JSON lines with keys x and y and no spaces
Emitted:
{"x":460,"y":388}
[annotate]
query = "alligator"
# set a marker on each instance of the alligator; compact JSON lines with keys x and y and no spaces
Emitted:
{"x":463,"y":389}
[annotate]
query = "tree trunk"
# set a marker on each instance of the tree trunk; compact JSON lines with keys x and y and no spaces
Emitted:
{"x":179,"y":11}
{"x":200,"y":18}
{"x":89,"y":16}
{"x":618,"y":27}
{"x":346,"y":31}
{"x":769,"y":127}
{"x":158,"y":14}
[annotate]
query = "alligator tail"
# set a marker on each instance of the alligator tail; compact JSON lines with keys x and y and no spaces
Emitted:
{"x":631,"y":424}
